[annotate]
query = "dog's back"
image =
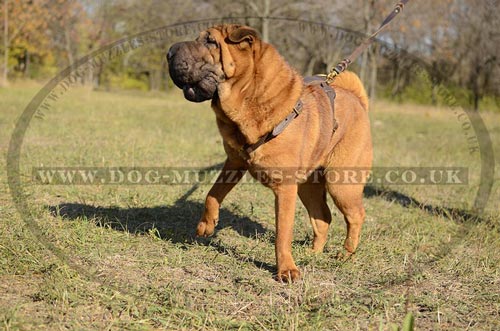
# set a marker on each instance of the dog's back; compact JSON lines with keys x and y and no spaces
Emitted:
{"x":349,"y":81}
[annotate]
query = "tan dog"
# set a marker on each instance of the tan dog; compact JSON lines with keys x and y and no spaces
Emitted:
{"x":252,"y":90}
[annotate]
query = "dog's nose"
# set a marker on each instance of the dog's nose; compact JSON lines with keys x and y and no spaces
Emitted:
{"x":173,"y":49}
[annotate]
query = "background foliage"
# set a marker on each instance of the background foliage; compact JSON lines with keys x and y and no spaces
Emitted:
{"x":458,"y":40}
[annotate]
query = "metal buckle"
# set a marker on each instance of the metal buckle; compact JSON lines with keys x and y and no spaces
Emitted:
{"x":298,"y":107}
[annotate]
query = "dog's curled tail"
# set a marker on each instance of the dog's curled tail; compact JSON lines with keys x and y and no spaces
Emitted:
{"x":349,"y":81}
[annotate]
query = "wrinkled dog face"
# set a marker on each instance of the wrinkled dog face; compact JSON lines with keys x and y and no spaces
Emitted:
{"x":194,"y":69}
{"x":198,"y":67}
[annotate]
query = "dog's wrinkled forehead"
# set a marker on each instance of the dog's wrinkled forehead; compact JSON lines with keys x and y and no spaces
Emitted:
{"x":209,"y":38}
{"x":204,"y":36}
{"x":227,"y":33}
{"x":213,"y":33}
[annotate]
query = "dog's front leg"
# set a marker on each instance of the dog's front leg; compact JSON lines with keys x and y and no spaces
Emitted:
{"x":285,"y":198}
{"x":231,"y":174}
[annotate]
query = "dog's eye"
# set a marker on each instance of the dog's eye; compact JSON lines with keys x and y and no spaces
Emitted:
{"x":211,"y":41}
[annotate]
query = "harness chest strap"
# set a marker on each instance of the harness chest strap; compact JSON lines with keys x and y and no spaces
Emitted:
{"x":297,"y":109}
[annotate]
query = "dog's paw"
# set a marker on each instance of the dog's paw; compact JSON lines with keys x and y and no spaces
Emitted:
{"x":344,"y":256}
{"x":315,"y":250}
{"x":205,"y":228}
{"x":288,"y":276}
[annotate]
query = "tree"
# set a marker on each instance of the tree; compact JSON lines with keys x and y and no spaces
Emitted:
{"x":365,"y":17}
{"x":5,"y":66}
{"x":24,"y":23}
{"x":478,"y":46}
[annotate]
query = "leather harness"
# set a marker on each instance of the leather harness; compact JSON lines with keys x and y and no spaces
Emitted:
{"x":297,"y":109}
{"x":324,"y":82}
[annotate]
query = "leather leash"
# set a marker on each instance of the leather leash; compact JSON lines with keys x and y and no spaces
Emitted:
{"x":342,"y":65}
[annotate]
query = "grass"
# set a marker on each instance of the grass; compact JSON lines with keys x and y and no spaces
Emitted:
{"x":132,"y":262}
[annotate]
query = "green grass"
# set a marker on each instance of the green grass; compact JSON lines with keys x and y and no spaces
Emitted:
{"x":132,"y":262}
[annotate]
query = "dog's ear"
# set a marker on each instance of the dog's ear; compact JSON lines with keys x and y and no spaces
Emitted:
{"x":243,"y":33}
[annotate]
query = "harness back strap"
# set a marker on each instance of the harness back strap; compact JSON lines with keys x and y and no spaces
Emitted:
{"x":297,"y":109}
{"x":330,"y":92}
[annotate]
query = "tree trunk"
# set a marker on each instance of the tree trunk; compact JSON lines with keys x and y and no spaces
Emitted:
{"x":154,"y":80}
{"x":434,"y":93}
{"x":476,"y":93}
{"x":309,"y":68}
{"x":88,"y":78}
{"x":98,"y":76}
{"x":67,"y":46}
{"x":5,"y":67}
{"x":164,"y":76}
{"x":396,"y":77}
{"x":477,"y":98}
{"x":364,"y":68}
{"x":26,"y":69}
{"x":474,"y":83}
{"x":265,"y":21}
{"x":373,"y":71}
{"x":367,"y":7}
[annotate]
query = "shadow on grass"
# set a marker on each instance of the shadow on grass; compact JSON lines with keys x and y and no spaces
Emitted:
{"x":175,"y":223}
{"x":454,"y":214}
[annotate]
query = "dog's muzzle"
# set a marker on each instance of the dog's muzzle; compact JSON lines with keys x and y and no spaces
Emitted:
{"x":189,"y":71}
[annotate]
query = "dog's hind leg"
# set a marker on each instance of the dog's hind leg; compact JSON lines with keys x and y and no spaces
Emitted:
{"x":313,"y":196}
{"x":349,"y":200}
{"x":346,"y":174}
{"x":347,"y":193}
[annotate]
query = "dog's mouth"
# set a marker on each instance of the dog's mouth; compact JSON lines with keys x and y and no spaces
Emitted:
{"x":199,"y":91}
{"x":190,"y":71}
